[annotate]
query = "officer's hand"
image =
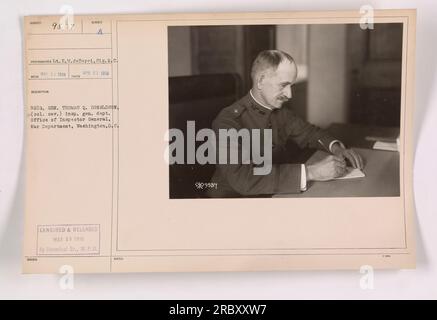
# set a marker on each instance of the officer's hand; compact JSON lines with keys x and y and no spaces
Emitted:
{"x":326,"y":169}
{"x":349,"y":154}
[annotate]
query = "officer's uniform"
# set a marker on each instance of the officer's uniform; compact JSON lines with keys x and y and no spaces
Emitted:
{"x":235,"y":180}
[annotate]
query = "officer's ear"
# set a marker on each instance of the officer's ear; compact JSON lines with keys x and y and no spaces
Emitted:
{"x":260,"y":80}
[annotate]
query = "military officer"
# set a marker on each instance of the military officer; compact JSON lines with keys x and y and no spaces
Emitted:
{"x":273,"y":75}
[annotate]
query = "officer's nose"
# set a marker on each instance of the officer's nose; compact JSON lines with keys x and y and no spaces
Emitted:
{"x":288,"y":92}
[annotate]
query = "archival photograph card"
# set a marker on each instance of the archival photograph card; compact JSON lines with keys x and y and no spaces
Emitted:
{"x":219,"y":142}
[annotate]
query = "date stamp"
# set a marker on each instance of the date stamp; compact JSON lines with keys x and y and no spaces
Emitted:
{"x":68,"y":239}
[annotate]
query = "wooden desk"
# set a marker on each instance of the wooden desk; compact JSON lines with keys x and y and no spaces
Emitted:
{"x":382,"y":178}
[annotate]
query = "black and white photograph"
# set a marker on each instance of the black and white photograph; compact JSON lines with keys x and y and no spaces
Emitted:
{"x":218,"y":150}
{"x":302,"y":110}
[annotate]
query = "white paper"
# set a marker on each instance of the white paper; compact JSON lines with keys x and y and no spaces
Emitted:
{"x":387,"y":146}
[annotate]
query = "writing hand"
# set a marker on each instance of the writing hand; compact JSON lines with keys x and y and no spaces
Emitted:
{"x":351,"y":155}
{"x":326,"y":169}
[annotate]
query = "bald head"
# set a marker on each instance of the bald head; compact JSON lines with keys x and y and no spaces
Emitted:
{"x":269,"y":60}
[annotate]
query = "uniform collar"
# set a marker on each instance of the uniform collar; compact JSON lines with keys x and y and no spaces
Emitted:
{"x":261,"y":104}
{"x":258,"y":106}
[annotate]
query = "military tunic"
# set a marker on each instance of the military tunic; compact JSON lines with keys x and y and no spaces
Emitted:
{"x":235,"y":180}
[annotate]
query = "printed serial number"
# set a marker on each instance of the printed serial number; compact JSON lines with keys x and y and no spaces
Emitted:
{"x":239,"y":309}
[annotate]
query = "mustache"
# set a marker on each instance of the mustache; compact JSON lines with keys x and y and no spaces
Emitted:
{"x":282,"y":98}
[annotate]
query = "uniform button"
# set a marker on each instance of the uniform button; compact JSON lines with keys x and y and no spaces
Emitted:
{"x":235,"y":110}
